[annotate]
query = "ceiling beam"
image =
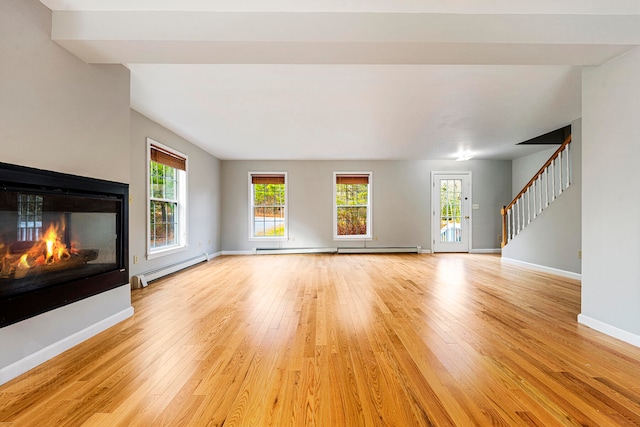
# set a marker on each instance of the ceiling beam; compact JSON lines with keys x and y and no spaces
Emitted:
{"x":343,"y":38}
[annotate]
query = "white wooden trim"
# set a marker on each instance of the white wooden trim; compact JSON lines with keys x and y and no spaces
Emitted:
{"x":167,"y":251}
{"x":29,"y":362}
{"x":284,"y":238}
{"x":183,"y":202}
{"x":369,"y":235}
{"x":433,"y":223}
{"x":544,"y":269}
{"x":607,"y":329}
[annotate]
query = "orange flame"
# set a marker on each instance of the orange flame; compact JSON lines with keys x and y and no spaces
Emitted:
{"x":49,"y":250}
{"x":23,"y":263}
{"x":55,"y":249}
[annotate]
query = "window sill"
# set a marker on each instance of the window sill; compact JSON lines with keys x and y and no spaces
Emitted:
{"x":168,"y":251}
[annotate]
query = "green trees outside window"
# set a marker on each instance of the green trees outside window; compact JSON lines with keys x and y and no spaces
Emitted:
{"x":268,"y":200}
{"x":167,"y":198}
{"x":450,"y":210}
{"x":163,"y":205}
{"x":352,"y":193}
{"x":352,"y":204}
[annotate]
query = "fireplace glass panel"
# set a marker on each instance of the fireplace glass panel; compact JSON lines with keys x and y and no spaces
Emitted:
{"x":47,"y":239}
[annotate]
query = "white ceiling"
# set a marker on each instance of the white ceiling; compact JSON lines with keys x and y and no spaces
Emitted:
{"x":374,"y":79}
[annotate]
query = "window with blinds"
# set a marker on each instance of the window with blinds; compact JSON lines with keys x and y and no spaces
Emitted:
{"x":352,"y":205}
{"x":268,"y":205}
{"x":167,"y":196}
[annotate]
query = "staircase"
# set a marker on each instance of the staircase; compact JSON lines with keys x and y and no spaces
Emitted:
{"x":546,"y":185}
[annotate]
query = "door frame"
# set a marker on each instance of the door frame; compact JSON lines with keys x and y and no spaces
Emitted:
{"x":466,"y":208}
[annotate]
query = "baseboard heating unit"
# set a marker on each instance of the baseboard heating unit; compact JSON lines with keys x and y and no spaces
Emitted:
{"x":142,"y":280}
{"x":331,"y":250}
{"x":272,"y":251}
{"x":384,"y":250}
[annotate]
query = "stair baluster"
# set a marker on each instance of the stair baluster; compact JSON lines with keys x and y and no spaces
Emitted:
{"x":517,"y":214}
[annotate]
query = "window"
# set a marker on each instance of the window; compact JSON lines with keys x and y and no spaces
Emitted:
{"x":352,"y":201}
{"x":450,"y":210}
{"x":268,"y":204}
{"x":167,"y":199}
{"x":29,"y":217}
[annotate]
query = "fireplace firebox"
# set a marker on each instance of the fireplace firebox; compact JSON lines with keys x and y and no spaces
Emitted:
{"x":63,"y":238}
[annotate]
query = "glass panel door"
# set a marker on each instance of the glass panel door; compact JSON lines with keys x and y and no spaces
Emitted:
{"x":450,"y":214}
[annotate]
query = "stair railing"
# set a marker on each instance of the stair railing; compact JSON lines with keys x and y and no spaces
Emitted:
{"x":546,"y":185}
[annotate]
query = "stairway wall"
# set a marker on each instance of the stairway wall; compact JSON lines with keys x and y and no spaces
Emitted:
{"x":554,"y":238}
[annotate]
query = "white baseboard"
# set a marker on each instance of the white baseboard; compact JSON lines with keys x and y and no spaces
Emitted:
{"x":607,"y":329}
{"x":544,"y":269}
{"x":31,"y":361}
{"x":486,"y":251}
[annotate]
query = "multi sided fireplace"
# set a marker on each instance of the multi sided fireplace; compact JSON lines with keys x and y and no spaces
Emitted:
{"x":62,"y":238}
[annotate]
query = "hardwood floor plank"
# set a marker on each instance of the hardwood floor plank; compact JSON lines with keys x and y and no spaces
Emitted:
{"x":341,"y":340}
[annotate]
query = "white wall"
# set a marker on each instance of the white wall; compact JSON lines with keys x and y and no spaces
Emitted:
{"x":60,"y":114}
{"x":401,"y":201}
{"x":554,"y":238}
{"x":610,"y":205}
{"x":56,"y":112}
{"x":203,"y":198}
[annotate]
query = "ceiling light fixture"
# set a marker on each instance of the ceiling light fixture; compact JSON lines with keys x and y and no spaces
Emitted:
{"x":464,"y":156}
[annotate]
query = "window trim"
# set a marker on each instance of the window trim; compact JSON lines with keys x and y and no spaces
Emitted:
{"x":369,"y":235}
{"x":183,"y":193}
{"x":252,"y":236}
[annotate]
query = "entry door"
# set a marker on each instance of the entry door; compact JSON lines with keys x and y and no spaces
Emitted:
{"x":451,"y":216}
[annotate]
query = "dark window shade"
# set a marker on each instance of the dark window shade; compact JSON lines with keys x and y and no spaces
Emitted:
{"x":267,"y":179}
{"x":352,"y":179}
{"x":164,"y":157}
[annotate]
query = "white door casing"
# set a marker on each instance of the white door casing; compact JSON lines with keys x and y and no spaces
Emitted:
{"x":450,"y":211}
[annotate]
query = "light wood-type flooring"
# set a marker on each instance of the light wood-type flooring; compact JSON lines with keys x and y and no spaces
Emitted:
{"x":341,"y":340}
